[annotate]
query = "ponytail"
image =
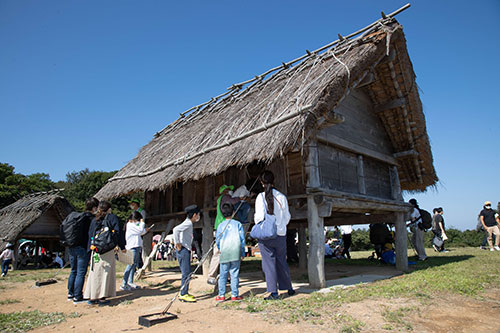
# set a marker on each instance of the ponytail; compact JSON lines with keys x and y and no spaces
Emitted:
{"x":267,"y":179}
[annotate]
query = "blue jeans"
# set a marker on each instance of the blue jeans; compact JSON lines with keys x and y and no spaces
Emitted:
{"x":184,"y":258}
{"x":233,"y":268}
{"x":79,"y":261}
{"x":5,"y":265}
{"x":243,"y":211}
{"x":128,"y":275}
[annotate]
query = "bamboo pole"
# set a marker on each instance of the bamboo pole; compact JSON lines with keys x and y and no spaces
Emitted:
{"x":245,"y":135}
{"x":285,"y":65}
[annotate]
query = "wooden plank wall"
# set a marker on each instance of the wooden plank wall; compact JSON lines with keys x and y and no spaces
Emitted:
{"x":361,"y":126}
{"x":46,"y":225}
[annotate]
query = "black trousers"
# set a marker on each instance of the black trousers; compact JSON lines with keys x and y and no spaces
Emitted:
{"x":347,"y":240}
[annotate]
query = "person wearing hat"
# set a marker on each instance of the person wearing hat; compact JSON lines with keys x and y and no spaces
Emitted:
{"x":183,"y":240}
{"x":491,"y":223}
{"x":242,"y":208}
{"x":418,"y":232}
{"x":135,"y":205}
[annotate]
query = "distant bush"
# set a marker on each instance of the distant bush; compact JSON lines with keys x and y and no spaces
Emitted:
{"x":456,"y":238}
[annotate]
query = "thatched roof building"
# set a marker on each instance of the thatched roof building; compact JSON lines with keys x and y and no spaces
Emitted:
{"x":342,"y":129}
{"x":264,"y":118}
{"x":35,"y":216}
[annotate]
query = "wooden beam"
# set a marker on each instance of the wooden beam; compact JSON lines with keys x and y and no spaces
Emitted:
{"x":411,"y":152}
{"x":333,"y":140}
{"x":312,"y":164}
{"x":401,"y":243}
{"x":399,"y":102}
{"x":324,"y":210}
{"x":368,"y":79}
{"x":395,"y":184}
{"x":302,"y":248}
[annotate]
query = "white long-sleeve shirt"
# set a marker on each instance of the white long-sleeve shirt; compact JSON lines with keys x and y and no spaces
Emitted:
{"x":7,"y":254}
{"x":133,"y":234}
{"x":281,"y":211}
{"x":183,"y":234}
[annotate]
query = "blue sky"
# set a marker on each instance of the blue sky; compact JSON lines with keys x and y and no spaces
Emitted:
{"x":86,"y":84}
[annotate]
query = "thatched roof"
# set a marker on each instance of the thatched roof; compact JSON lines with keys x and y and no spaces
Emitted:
{"x":17,"y":217}
{"x":264,"y":118}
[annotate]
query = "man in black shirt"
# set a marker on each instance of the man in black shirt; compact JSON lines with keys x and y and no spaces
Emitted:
{"x":491,"y":222}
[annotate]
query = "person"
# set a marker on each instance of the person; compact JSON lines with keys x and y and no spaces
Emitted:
{"x":7,"y":258}
{"x":491,"y":222}
{"x":183,"y":240}
{"x":79,"y":255}
{"x":134,"y":230}
{"x":57,"y":262}
{"x":101,"y":281}
{"x":135,"y":205}
{"x":230,"y":240}
{"x":379,"y":236}
{"x":242,"y":207}
{"x":273,"y":251}
{"x":346,"y":231}
{"x":328,"y":249}
{"x":438,"y":230}
{"x":417,"y":229}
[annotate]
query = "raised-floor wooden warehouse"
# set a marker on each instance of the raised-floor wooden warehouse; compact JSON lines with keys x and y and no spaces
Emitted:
{"x":342,"y":129}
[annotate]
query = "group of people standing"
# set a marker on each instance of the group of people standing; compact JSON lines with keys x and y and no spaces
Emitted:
{"x":97,"y":220}
{"x":229,"y":246}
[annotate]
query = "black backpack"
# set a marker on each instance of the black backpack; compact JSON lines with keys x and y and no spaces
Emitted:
{"x":426,"y":218}
{"x":105,"y":238}
{"x":72,"y":230}
{"x":379,"y":233}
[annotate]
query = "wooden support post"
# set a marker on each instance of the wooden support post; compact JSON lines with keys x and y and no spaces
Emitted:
{"x":17,"y":257}
{"x":208,"y":227}
{"x":302,"y":248}
{"x":395,"y":184}
{"x":401,"y":242}
{"x":316,"y":260}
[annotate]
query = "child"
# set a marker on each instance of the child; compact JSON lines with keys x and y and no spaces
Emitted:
{"x":231,"y":244}
{"x":183,"y":239}
{"x":134,"y":230}
{"x":7,"y":257}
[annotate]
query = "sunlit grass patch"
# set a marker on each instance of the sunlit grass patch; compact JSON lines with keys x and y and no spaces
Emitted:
{"x":28,"y":320}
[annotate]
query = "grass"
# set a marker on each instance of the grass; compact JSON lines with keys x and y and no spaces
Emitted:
{"x":397,"y":317}
{"x":9,"y":301}
{"x":466,"y":271}
{"x":28,"y":320}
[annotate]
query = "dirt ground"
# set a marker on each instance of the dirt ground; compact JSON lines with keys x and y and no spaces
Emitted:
{"x":455,"y":314}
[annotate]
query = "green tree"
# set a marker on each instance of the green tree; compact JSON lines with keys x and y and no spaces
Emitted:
{"x":15,"y":185}
{"x":82,"y":185}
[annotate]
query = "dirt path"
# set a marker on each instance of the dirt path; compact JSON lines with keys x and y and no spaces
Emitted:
{"x":453,"y":314}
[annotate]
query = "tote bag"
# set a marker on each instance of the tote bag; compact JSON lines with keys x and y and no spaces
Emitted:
{"x":266,"y":229}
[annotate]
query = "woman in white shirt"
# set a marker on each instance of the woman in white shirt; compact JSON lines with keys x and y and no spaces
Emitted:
{"x":273,"y":251}
{"x":135,"y":229}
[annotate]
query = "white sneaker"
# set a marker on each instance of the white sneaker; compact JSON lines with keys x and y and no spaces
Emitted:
{"x":492,"y":249}
{"x":497,"y":248}
{"x":125,"y":287}
{"x":3,"y":274}
{"x":134,"y":286}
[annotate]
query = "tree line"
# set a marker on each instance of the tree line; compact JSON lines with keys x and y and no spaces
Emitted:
{"x":78,"y":187}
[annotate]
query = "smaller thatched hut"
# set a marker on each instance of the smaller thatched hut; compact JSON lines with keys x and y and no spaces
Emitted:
{"x":36,"y":216}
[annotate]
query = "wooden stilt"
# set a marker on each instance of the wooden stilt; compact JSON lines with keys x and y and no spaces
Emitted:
{"x":302,"y":248}
{"x":316,"y":260}
{"x":208,"y":227}
{"x":401,"y":243}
